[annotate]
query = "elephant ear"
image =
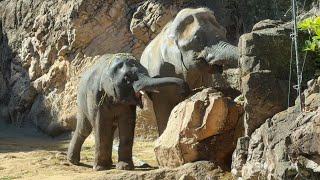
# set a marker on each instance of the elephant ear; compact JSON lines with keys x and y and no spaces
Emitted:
{"x":105,"y":62}
{"x":193,"y":29}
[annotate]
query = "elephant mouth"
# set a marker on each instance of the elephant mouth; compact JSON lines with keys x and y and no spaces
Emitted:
{"x":139,"y":94}
{"x":210,"y":66}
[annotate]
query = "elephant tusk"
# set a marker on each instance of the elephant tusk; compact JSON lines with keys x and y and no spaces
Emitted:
{"x":141,"y":92}
{"x":154,"y":91}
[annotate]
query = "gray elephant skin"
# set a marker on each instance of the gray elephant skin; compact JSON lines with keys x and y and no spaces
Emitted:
{"x":107,"y":98}
{"x":192,"y":47}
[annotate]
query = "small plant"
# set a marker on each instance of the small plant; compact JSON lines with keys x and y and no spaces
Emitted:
{"x":312,"y":27}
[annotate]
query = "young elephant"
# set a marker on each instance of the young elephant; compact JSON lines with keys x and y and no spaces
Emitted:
{"x":107,"y":98}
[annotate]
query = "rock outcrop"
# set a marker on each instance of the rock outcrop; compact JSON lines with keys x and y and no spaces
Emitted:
{"x":203,"y":127}
{"x":286,"y":146}
{"x":265,"y":55}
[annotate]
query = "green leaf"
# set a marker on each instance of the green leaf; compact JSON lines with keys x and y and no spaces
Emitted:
{"x":307,"y":43}
{"x":305,"y":24}
{"x":313,"y":46}
{"x":316,"y":21}
{"x":308,"y":22}
{"x":312,"y":25}
{"x":318,"y":45}
{"x":315,"y":37}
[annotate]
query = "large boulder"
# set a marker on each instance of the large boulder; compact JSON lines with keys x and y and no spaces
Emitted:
{"x":204,"y":126}
{"x":285,"y":146}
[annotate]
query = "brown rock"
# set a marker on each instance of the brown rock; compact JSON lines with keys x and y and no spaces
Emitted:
{"x":264,"y":63}
{"x":285,"y":146}
{"x":197,"y":127}
{"x":265,"y":96}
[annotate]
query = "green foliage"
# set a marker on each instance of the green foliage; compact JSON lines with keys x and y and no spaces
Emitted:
{"x":312,"y":26}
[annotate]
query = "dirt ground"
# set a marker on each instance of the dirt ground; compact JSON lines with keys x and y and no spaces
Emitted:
{"x":28,"y":154}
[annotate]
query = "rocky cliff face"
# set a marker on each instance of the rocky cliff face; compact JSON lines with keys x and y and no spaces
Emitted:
{"x":46,"y":45}
{"x":286,"y":146}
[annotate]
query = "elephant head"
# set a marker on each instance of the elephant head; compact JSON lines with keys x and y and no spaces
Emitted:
{"x":127,"y":79}
{"x":198,"y":41}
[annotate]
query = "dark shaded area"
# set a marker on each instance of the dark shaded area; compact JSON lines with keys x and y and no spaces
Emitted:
{"x":5,"y":73}
{"x":27,"y":139}
{"x":20,"y":97}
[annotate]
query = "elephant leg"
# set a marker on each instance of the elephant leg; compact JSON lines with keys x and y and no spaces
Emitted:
{"x":126,"y":124}
{"x":162,"y":108}
{"x":103,"y":130}
{"x":82,"y":131}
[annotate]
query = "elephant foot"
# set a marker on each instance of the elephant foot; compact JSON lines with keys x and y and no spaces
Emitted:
{"x":101,"y":168}
{"x":121,"y":165}
{"x":73,"y":160}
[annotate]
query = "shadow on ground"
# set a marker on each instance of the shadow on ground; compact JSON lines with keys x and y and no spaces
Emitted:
{"x":14,"y":139}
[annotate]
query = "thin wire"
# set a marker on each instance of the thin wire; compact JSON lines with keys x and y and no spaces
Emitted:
{"x":296,"y":53}
{"x":290,"y":73}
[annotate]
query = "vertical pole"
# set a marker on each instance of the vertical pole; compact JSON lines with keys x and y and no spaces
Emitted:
{"x":296,"y":52}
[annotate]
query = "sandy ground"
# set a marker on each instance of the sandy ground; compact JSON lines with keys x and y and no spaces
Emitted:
{"x":28,"y":154}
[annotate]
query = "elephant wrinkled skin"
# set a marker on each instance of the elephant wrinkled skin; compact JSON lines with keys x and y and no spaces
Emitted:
{"x":107,"y":98}
{"x":191,"y":47}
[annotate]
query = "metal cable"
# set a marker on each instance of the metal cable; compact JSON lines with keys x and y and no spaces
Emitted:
{"x":298,"y":86}
{"x":290,"y":72}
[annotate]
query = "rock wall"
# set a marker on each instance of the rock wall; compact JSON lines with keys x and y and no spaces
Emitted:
{"x":45,"y":45}
{"x":286,"y":146}
{"x":265,"y":56}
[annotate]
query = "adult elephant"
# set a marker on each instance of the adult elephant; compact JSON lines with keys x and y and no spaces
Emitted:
{"x":107,"y":98}
{"x":192,"y":47}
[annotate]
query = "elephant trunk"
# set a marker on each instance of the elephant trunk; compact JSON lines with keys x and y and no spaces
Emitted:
{"x":222,"y":53}
{"x":146,"y":83}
